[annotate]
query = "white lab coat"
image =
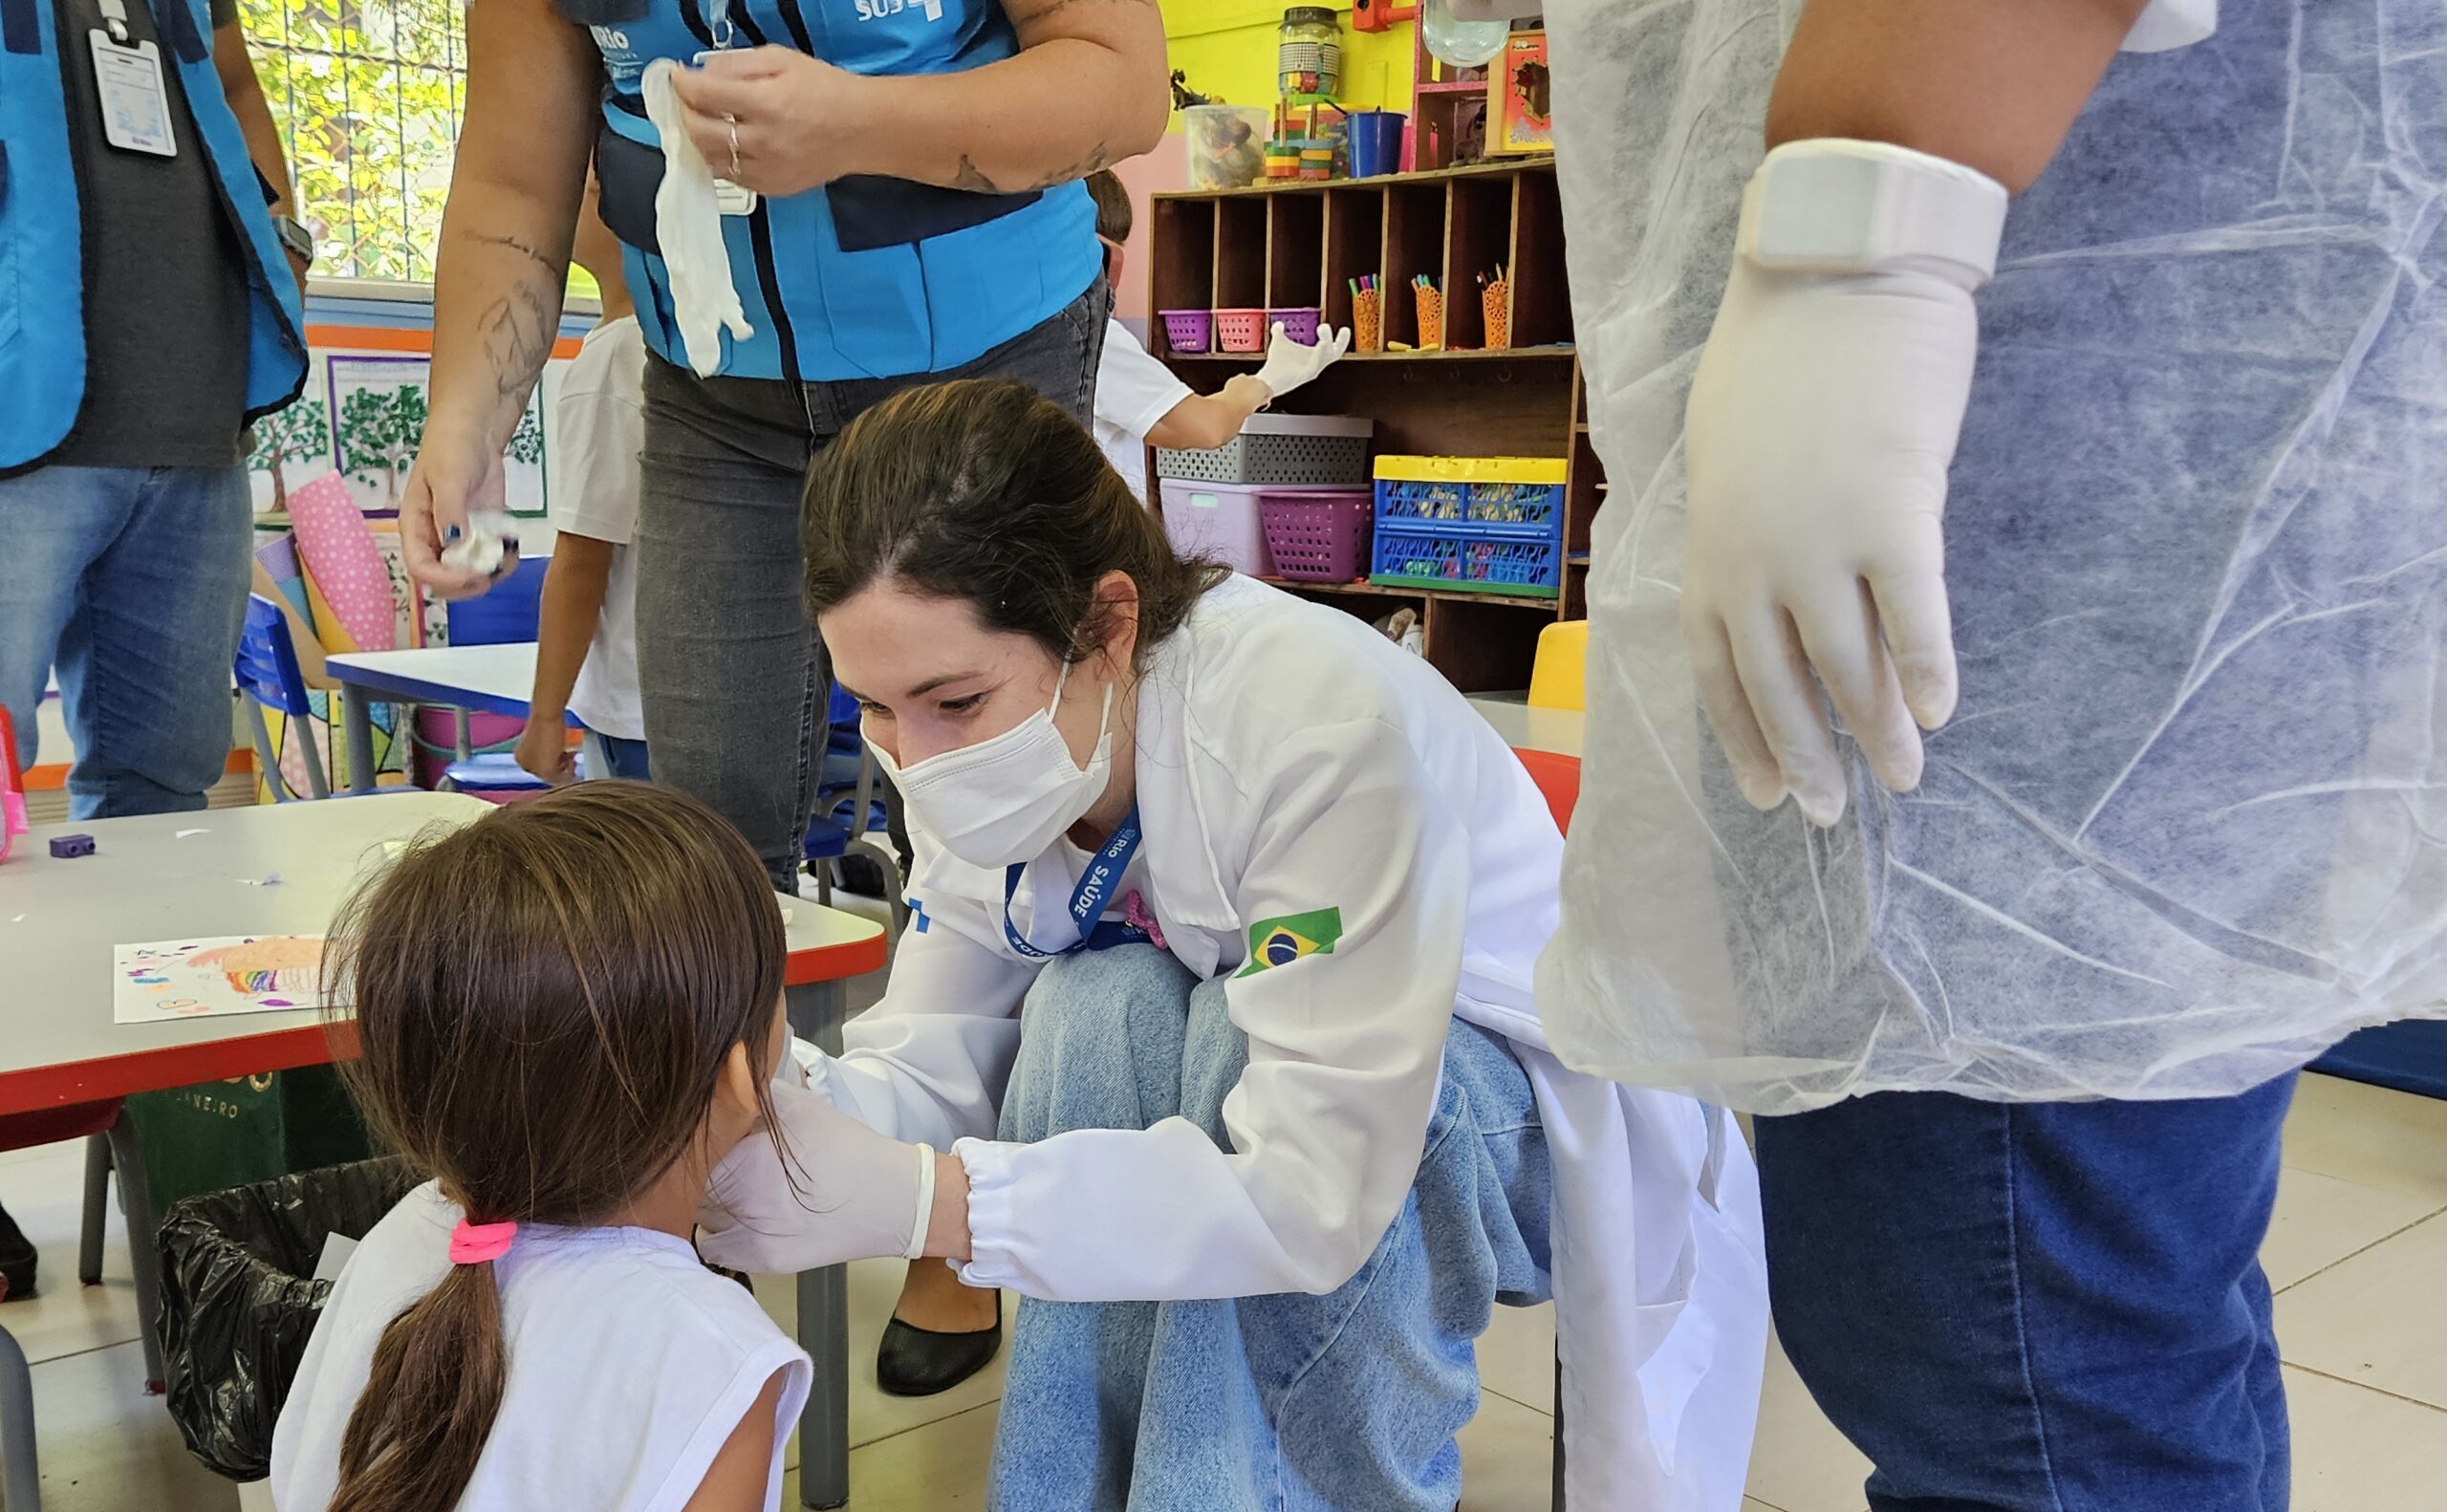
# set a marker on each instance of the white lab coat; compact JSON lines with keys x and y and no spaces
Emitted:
{"x":1290,"y":760}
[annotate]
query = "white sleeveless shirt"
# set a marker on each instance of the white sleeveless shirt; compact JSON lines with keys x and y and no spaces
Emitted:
{"x":630,"y":1364}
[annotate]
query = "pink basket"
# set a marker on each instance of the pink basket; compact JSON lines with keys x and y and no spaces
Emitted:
{"x":1299,"y":323}
{"x":1318,"y":534}
{"x":1240,"y":330}
{"x":1188,"y":330}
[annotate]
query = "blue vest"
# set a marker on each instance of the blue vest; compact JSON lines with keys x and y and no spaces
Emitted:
{"x":42,"y":251}
{"x":867,"y":278}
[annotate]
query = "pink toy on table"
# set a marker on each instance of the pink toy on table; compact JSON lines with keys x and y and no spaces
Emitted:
{"x":12,"y":788}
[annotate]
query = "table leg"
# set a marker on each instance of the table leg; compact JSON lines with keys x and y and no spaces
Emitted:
{"x":97,"y":1203}
{"x":144,"y":1245}
{"x":20,"y":1475}
{"x":357,"y":709}
{"x":815,"y":1012}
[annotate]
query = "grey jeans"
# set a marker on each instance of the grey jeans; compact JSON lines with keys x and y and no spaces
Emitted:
{"x":732,"y":679}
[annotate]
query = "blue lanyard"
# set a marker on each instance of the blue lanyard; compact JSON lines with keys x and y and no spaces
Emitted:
{"x":1088,"y":901}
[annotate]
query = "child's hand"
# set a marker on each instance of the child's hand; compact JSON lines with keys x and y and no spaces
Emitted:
{"x":544,"y":750}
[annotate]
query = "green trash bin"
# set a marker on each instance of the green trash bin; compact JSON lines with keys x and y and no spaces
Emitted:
{"x":221,"y":1134}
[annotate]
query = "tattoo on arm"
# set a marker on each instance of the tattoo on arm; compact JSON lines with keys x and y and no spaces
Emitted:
{"x":972,"y":179}
{"x":518,"y":330}
{"x":1099,"y":156}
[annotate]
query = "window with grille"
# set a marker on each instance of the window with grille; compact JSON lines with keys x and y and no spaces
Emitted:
{"x":368,"y":95}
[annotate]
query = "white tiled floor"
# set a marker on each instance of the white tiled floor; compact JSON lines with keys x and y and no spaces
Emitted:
{"x":2358,"y":1252}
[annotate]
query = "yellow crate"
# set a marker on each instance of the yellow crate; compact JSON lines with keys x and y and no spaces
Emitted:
{"x":1471,"y":469}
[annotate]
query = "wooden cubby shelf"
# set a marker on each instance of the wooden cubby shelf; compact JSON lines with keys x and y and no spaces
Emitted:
{"x":1298,"y":244}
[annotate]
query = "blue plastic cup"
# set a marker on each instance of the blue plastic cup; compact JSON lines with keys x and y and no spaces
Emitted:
{"x":1376,"y":142}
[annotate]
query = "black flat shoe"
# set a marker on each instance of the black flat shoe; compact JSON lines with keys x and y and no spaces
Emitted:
{"x":16,"y":1260}
{"x":919,"y":1362}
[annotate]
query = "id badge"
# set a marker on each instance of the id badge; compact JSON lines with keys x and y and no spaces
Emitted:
{"x":135,"y":103}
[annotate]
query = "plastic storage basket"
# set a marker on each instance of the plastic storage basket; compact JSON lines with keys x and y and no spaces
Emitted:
{"x":1294,"y":451}
{"x":1219,"y":521}
{"x":1240,"y":330}
{"x":1490,"y":524}
{"x":1317,"y":536}
{"x":1188,"y":330}
{"x":1299,"y":323}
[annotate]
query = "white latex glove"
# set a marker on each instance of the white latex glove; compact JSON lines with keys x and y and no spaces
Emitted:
{"x":491,"y":537}
{"x":688,"y":232}
{"x":1288,"y":364}
{"x":1822,"y":420}
{"x":859,"y":1195}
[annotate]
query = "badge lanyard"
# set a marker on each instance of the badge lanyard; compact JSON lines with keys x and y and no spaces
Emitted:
{"x":128,"y":86}
{"x":1088,"y":901}
{"x":729,"y":197}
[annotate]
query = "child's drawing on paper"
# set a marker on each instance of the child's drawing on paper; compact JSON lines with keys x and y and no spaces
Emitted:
{"x":234,"y":974}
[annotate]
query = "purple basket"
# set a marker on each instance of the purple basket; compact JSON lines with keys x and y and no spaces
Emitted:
{"x":1318,"y":534}
{"x":1299,"y":323}
{"x":1188,"y":330}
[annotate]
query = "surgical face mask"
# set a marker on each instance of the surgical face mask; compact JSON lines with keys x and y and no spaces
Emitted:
{"x":1003,"y":801}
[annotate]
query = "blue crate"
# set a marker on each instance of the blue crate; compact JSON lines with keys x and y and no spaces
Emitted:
{"x":1523,"y":563}
{"x":1469,"y":536}
{"x":1463,"y":508}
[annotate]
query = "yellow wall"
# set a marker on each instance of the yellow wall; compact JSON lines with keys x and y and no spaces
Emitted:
{"x":1227,"y":49}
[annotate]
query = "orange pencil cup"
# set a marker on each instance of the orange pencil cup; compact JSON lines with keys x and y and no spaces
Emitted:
{"x":1367,"y":322}
{"x":1495,"y":299}
{"x":1430,"y":319}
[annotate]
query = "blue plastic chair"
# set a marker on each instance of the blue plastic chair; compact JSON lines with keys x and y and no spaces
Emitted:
{"x":268,"y":678}
{"x":511,"y":611}
{"x":848,"y":813}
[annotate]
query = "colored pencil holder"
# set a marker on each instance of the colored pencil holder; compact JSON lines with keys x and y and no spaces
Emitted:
{"x":1368,"y":321}
{"x":1431,"y":318}
{"x":1495,"y":301}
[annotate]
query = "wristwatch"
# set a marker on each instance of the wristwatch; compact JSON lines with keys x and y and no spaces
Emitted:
{"x":293,"y":236}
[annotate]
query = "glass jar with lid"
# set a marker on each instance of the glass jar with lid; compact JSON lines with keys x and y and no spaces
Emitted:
{"x":1307,"y":54}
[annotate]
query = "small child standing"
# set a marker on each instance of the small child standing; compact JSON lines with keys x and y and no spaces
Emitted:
{"x":586,"y":652}
{"x":1139,"y":402}
{"x":568,"y":1013}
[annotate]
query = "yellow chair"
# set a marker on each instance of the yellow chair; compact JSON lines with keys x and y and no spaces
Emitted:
{"x":1558,"y":679}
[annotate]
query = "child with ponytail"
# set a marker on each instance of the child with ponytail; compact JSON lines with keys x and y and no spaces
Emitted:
{"x":568,"y":1013}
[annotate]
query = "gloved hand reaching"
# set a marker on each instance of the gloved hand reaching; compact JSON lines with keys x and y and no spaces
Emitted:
{"x":1290,"y":363}
{"x":1822,"y":420}
{"x":858,"y":1195}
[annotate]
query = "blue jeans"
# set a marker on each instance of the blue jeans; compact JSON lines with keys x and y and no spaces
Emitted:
{"x":624,"y":759}
{"x":729,"y":671}
{"x":1288,"y":1403}
{"x":134,"y":581}
{"x":2036,"y":1307}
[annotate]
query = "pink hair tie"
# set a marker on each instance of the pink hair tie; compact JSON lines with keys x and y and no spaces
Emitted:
{"x":475,"y":1243}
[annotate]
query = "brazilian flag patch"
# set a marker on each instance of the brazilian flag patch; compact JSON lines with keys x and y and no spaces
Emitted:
{"x":1280,"y":942}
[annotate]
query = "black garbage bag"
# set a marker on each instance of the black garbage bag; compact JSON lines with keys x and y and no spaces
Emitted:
{"x":239,"y":1301}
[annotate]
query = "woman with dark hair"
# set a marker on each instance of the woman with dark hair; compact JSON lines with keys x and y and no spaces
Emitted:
{"x":1218,"y":991}
{"x":892,"y":203}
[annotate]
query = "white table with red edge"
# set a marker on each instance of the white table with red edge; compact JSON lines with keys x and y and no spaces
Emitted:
{"x":282,"y":868}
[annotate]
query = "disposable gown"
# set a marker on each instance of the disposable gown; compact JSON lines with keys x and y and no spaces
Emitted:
{"x":2189,"y":826}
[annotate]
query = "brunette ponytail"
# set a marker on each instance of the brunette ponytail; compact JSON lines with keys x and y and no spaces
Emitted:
{"x":429,"y":1403}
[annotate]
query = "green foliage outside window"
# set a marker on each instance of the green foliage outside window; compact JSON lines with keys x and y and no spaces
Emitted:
{"x":368,"y":95}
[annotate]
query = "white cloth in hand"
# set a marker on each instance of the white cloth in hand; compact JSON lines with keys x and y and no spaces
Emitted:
{"x":1822,"y":420}
{"x":857,"y":1195}
{"x":1288,"y":363}
{"x":688,"y":232}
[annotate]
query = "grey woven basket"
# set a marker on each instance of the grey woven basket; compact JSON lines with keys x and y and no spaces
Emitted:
{"x":1280,"y":449}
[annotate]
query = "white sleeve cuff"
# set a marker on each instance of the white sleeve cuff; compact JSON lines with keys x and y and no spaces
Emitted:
{"x":990,"y":1262}
{"x":925,"y":1204}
